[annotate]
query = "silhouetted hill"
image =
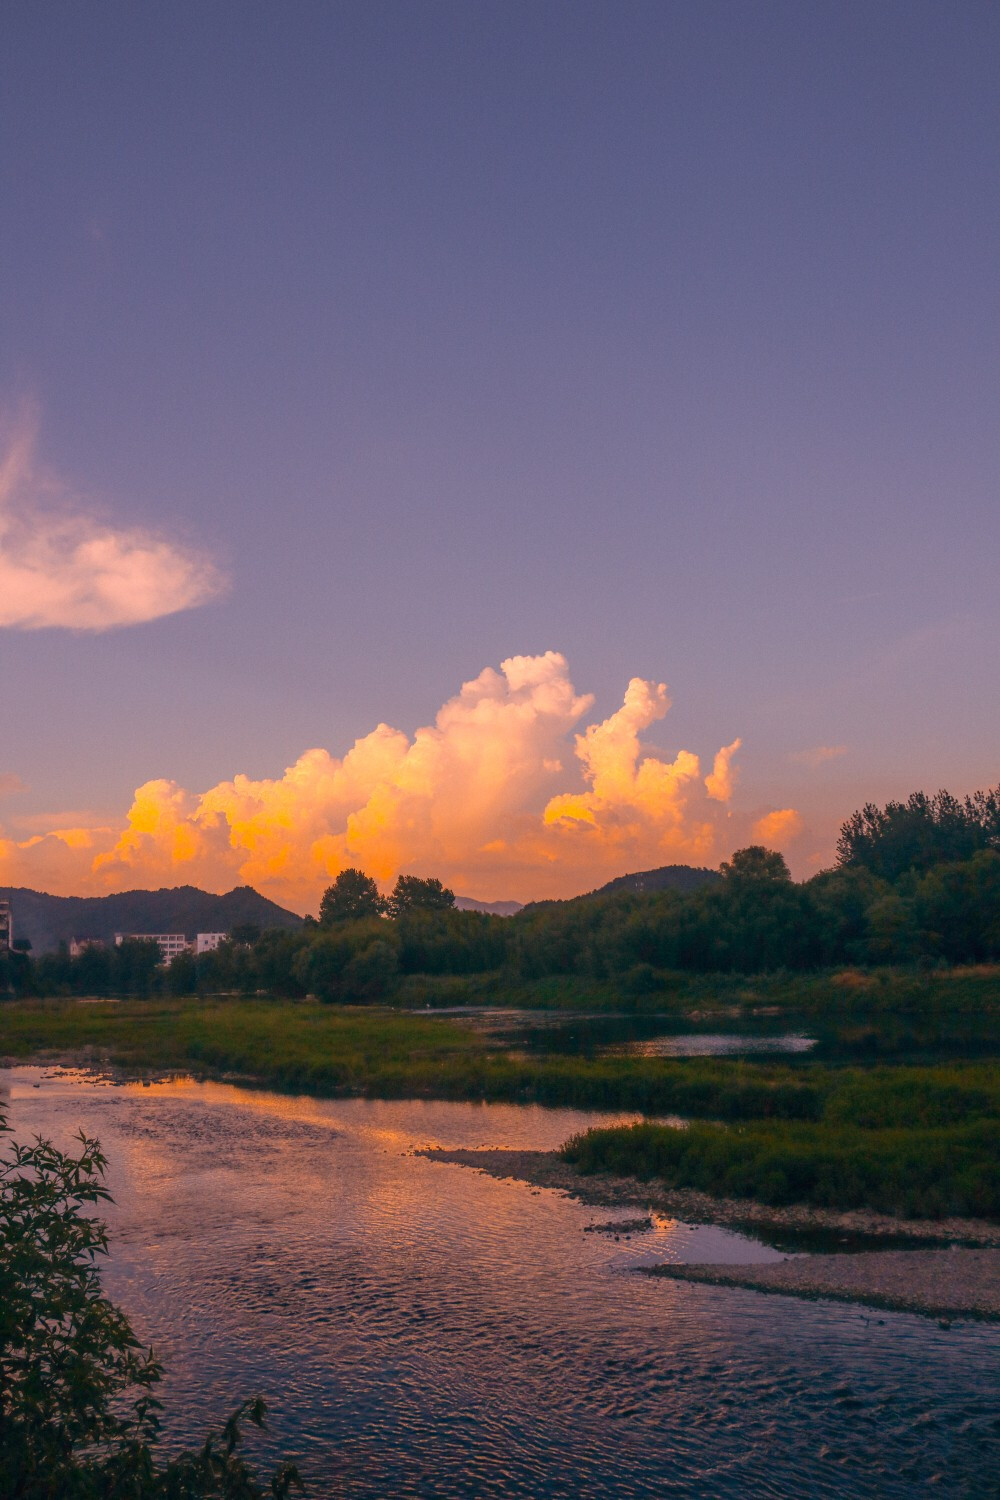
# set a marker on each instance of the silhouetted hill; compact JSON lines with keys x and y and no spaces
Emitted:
{"x":684,"y":878}
{"x":495,"y":908}
{"x":50,"y":920}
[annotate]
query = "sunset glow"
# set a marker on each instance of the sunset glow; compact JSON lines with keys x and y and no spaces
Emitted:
{"x":503,"y":792}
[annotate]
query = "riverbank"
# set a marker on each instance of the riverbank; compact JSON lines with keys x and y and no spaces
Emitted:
{"x":606,"y":1190}
{"x":914,"y":1142}
{"x":960,"y":1277}
{"x":952,"y":1283}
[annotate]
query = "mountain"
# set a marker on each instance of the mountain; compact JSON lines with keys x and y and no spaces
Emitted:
{"x":50,"y":920}
{"x":684,"y":878}
{"x":496,"y":908}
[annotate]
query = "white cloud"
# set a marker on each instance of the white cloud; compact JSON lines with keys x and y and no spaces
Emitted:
{"x":62,"y":566}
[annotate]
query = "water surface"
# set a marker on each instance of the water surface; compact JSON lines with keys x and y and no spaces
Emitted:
{"x":425,"y":1330}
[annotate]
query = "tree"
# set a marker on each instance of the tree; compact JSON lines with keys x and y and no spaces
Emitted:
{"x":919,"y":833}
{"x":78,"y":1417}
{"x":371,"y":974}
{"x":246,"y":933}
{"x":413,"y":894}
{"x":755,"y":863}
{"x":352,"y":896}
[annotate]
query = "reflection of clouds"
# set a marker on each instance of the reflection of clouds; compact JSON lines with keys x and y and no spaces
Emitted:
{"x":405,"y":1319}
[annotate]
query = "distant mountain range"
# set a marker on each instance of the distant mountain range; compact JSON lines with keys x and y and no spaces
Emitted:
{"x":495,"y":908}
{"x":51,"y":920}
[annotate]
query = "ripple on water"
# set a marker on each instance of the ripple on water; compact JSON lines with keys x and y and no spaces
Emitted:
{"x":425,"y":1330}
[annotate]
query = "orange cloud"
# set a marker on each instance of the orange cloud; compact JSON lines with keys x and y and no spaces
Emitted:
{"x":721,"y":784}
{"x":479,"y":798}
{"x":60,"y":566}
{"x":778,"y":829}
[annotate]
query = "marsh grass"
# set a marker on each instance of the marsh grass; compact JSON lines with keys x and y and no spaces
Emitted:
{"x":914,"y":1172}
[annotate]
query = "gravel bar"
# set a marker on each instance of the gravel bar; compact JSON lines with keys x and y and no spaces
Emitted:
{"x":944,"y":1283}
{"x":547,"y":1169}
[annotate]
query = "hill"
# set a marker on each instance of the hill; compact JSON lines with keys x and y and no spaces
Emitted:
{"x":684,"y":878}
{"x":50,"y":920}
{"x":495,"y":908}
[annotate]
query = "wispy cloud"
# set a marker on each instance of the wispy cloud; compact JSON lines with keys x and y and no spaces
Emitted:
{"x":62,"y":566}
{"x":10,"y":783}
{"x":818,"y":755}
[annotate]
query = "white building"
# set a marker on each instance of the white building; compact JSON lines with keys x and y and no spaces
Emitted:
{"x":169,"y":943}
{"x":207,"y":942}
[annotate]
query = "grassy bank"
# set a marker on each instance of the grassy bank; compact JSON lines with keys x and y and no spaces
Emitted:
{"x":901,"y":1139}
{"x":913,"y":1170}
{"x":865,"y":1014}
{"x":330,"y":1049}
{"x":327,"y":1050}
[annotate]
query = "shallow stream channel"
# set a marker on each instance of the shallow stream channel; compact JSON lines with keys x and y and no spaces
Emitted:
{"x":422,"y":1329}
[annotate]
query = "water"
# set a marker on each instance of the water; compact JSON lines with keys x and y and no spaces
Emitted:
{"x":424,"y":1330}
{"x":590,"y":1034}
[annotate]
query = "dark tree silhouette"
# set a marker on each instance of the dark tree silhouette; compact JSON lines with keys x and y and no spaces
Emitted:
{"x":413,"y":894}
{"x":352,"y":896}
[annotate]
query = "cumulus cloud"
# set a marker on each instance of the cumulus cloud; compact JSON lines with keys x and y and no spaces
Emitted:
{"x":778,"y":829}
{"x":503,"y":794}
{"x":721,"y":783}
{"x":62,"y":566}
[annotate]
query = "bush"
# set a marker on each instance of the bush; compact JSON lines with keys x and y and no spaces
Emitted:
{"x":79,"y":1419}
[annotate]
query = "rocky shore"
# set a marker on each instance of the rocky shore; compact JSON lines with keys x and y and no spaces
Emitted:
{"x":955,"y":1272}
{"x":945,"y":1283}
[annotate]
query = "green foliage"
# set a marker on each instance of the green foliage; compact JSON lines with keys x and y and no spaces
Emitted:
{"x":920,"y":833}
{"x":910,"y":1172}
{"x":352,"y":897}
{"x":412,"y":894}
{"x":751,"y":920}
{"x":754,"y":865}
{"x":79,"y":1419}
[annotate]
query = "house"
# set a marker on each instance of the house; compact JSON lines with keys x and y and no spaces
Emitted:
{"x":170,"y":944}
{"x":207,"y":942}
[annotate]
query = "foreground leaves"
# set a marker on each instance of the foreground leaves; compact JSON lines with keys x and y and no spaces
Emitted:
{"x":79,"y":1418}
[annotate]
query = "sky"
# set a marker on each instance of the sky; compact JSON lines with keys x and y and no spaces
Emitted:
{"x":432,"y":432}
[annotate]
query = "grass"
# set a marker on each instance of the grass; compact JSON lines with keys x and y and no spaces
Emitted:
{"x":903,"y":1139}
{"x":328,"y":1050}
{"x":910,"y":1172}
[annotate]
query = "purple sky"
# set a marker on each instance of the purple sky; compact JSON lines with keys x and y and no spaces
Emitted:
{"x":660,"y":335}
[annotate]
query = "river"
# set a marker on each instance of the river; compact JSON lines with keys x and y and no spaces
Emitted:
{"x":421,"y":1329}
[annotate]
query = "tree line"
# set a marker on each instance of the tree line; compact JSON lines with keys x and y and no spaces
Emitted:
{"x":916,"y":882}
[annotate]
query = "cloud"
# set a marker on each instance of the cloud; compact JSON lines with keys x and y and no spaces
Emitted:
{"x":778,"y":829}
{"x":10,"y":783}
{"x":61,"y":566}
{"x":721,"y":784}
{"x":818,"y":755}
{"x":503,"y":794}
